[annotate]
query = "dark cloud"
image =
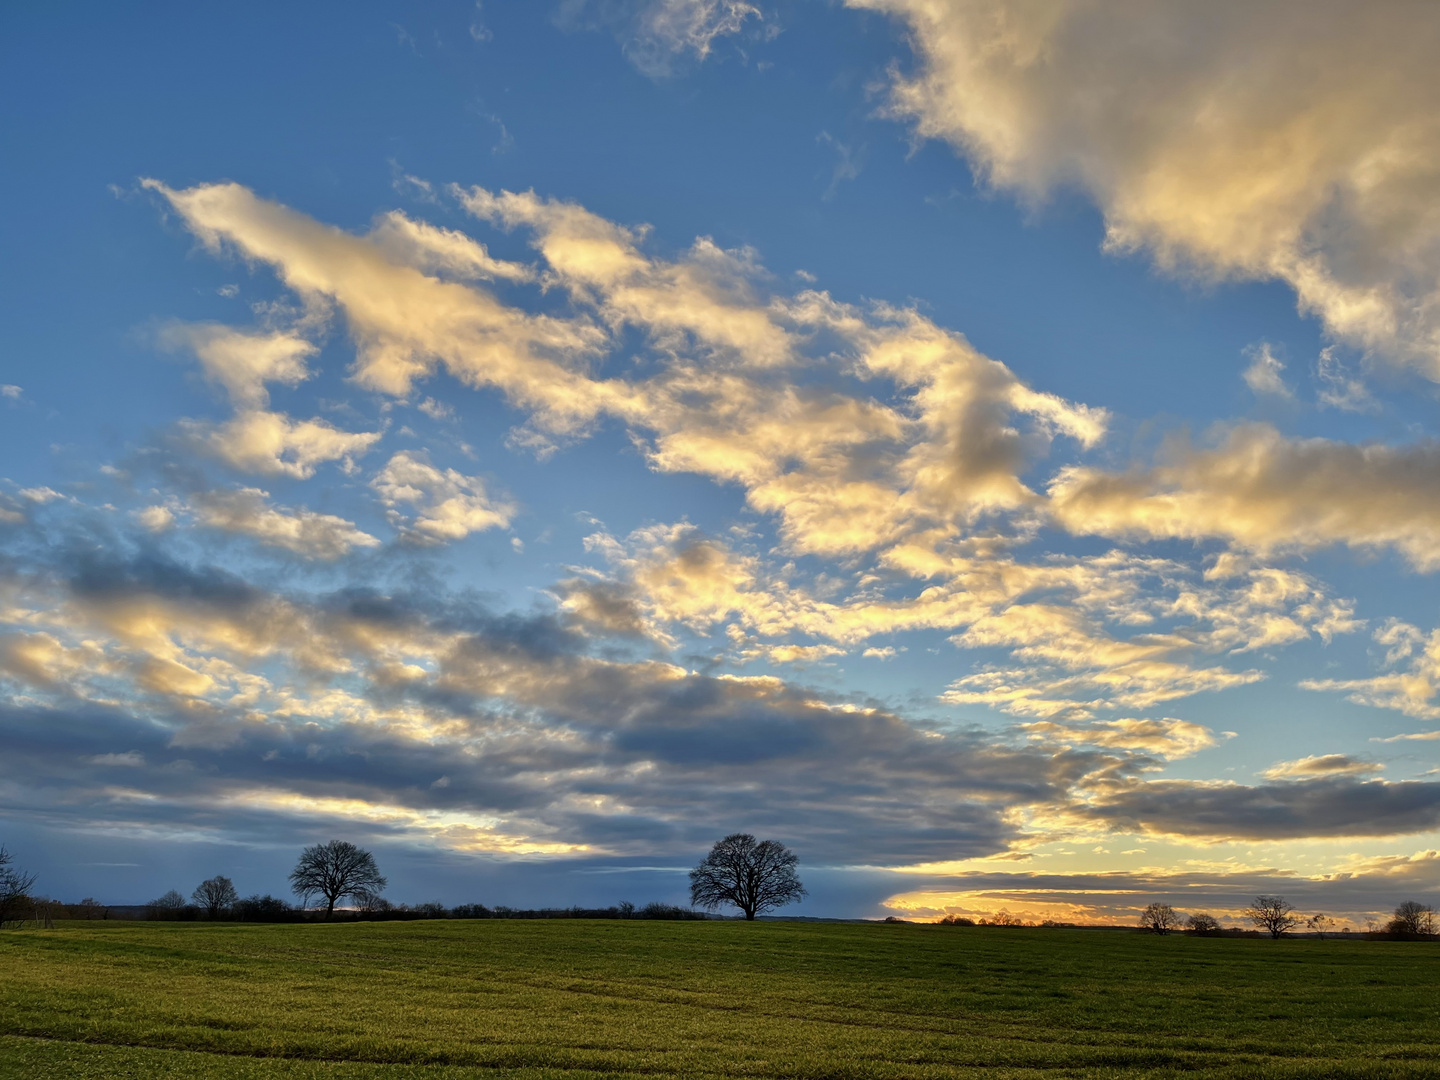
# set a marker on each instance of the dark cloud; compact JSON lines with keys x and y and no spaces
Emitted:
{"x":1336,"y":806}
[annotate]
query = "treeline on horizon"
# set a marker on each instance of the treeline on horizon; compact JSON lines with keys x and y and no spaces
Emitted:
{"x":273,"y":909}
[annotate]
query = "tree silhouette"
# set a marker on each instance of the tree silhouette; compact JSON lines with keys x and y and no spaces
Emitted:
{"x":336,"y":870}
{"x":1273,"y":913}
{"x":754,"y":876}
{"x":1159,"y":919}
{"x":1205,"y":925}
{"x":15,"y":887}
{"x":1413,"y":918}
{"x":169,"y":906}
{"x":215,"y":895}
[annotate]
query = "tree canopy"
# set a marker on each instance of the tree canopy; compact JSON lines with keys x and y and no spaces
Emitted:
{"x":335,"y":871}
{"x":1273,"y":913}
{"x":215,"y":895}
{"x":1159,"y":919}
{"x":754,"y":876}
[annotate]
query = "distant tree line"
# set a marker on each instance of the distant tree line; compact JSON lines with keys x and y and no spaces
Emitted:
{"x":1276,"y":916}
{"x":752,"y":875}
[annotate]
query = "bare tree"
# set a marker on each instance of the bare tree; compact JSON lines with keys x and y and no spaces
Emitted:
{"x":754,"y":876}
{"x":1159,"y":919}
{"x":1320,"y":923}
{"x":1273,"y":913}
{"x":1204,"y":925}
{"x":169,"y":906}
{"x":336,"y":870}
{"x":15,"y":886}
{"x":1413,"y":919}
{"x":215,"y":895}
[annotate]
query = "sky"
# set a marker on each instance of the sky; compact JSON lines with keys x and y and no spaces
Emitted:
{"x":985,"y":446}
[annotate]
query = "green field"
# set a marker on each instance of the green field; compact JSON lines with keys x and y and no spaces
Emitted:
{"x":577,"y":999}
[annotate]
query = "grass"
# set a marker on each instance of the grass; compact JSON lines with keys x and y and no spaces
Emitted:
{"x":575,"y":999}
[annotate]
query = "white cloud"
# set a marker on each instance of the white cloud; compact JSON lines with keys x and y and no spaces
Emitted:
{"x":1262,"y":140}
{"x":272,"y":444}
{"x":257,"y":439}
{"x":242,"y":362}
{"x":1316,"y":767}
{"x":11,"y":391}
{"x":658,"y":35}
{"x":443,"y":252}
{"x":1339,"y":389}
{"x":1263,"y":374}
{"x":155,"y":518}
{"x":1167,"y":737}
{"x":43,"y":495}
{"x":1267,"y":493}
{"x":448,"y":505}
{"x":705,"y":297}
{"x":404,"y":322}
{"x":246,"y":512}
{"x":1411,"y":679}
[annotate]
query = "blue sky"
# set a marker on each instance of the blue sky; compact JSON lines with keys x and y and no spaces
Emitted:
{"x":984,"y":446}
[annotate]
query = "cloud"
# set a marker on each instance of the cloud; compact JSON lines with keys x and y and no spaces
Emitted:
{"x":42,"y":495}
{"x":659,"y":35}
{"x":1319,"y":766}
{"x":1263,"y":374}
{"x":11,"y":391}
{"x":1412,"y":681}
{"x":445,"y":252}
{"x":257,"y":440}
{"x":1268,"y":493}
{"x":1076,"y":668}
{"x":704,"y":298}
{"x":272,"y":444}
{"x":1265,"y":141}
{"x":1338,"y":388}
{"x":1083,"y":634}
{"x":246,"y":512}
{"x":450,"y":506}
{"x":155,"y":518}
{"x":1167,"y":738}
{"x":403,"y":321}
{"x":129,"y":760}
{"x":243,"y":362}
{"x":1319,"y":805}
